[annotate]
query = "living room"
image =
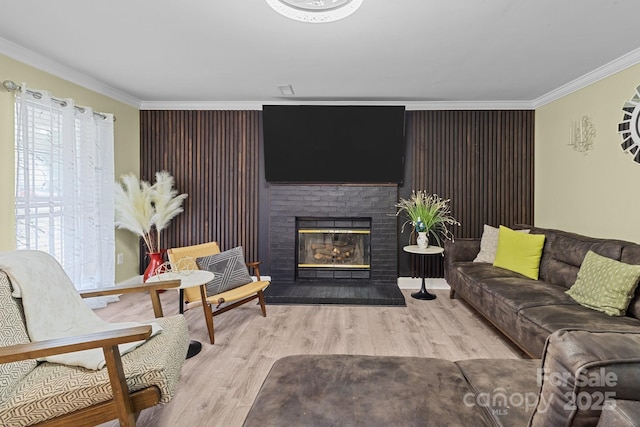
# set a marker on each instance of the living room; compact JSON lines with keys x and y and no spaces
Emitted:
{"x":550,"y":185}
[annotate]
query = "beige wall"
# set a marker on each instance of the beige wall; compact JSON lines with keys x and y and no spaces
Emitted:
{"x":127,"y":148}
{"x":595,"y":194}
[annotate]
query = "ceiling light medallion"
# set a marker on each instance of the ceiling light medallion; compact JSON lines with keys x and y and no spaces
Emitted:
{"x":315,"y":11}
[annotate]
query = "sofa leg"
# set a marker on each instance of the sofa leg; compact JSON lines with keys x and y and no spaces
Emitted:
{"x":452,"y":293}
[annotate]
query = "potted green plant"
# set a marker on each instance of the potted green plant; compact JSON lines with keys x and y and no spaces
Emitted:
{"x":429,"y":216}
{"x":146,"y":210}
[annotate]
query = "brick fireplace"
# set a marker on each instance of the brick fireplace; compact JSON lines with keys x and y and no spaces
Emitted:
{"x":349,"y":207}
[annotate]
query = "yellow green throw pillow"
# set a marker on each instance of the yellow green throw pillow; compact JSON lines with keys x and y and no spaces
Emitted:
{"x":605,"y":284}
{"x":519,"y":252}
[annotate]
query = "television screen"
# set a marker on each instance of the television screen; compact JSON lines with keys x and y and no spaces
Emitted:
{"x":333,"y":144}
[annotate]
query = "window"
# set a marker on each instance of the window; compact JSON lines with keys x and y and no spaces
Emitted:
{"x":64,"y":186}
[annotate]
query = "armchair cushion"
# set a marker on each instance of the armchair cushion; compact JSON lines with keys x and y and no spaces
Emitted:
{"x":229,"y":269}
{"x":12,"y":331}
{"x":53,"y":389}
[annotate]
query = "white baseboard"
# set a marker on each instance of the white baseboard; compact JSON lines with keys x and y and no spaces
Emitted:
{"x":415,"y":283}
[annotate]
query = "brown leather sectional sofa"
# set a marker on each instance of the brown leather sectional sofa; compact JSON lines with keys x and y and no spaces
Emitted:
{"x":588,"y":375}
{"x":581,"y":373}
{"x":527,"y":311}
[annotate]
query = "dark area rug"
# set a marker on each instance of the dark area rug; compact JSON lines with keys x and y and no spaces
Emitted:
{"x":351,"y":293}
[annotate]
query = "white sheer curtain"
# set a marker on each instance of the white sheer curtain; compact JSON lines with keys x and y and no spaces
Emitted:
{"x":64,"y":186}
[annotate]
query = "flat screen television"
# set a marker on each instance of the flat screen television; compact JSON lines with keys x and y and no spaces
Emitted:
{"x":333,"y":144}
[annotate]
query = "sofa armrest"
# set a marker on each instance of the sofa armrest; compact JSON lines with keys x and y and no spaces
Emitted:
{"x":580,"y":370}
{"x":461,"y":250}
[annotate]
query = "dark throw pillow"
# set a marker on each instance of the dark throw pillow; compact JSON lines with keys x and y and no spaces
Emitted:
{"x":228,"y":268}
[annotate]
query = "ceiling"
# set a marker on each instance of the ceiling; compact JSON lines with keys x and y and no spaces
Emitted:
{"x":167,"y":54}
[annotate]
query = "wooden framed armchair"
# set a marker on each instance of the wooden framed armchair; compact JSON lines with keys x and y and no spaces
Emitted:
{"x":55,"y":394}
{"x":185,"y":258}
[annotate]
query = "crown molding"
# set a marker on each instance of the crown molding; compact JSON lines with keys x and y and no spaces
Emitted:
{"x":48,"y":65}
{"x":201,"y":105}
{"x":257,"y":105}
{"x":607,"y":70}
{"x":470,"y":105}
{"x":57,"y":69}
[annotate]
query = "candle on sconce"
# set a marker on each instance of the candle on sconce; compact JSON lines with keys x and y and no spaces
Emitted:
{"x":571,"y":133}
{"x":581,"y":135}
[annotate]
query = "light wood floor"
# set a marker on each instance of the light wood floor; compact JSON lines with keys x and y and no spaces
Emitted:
{"x":218,"y":385}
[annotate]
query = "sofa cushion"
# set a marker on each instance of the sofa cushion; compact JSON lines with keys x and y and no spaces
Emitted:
{"x":580,"y":369}
{"x":52,"y":389}
{"x":467,"y":278}
{"x":12,"y":331}
{"x":554,"y":317}
{"x":506,"y":388}
{"x":568,"y":251}
{"x":516,"y":294}
{"x":631,"y":255}
{"x":549,"y":238}
{"x":480,"y":272}
{"x":519,"y":252}
{"x":605,"y":284}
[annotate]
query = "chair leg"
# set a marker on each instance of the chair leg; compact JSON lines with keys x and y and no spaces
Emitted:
{"x":208,"y":313}
{"x":124,"y":406}
{"x":262,"y":303}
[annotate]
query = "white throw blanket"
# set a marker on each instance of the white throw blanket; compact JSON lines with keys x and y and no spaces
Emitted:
{"x":54,"y":309}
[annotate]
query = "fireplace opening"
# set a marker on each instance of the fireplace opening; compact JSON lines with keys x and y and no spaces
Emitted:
{"x":333,"y":248}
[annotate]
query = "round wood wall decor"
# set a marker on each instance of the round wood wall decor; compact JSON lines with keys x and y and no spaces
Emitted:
{"x":629,"y":127}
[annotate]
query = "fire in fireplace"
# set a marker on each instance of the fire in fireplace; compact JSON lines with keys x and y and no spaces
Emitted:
{"x":336,"y":248}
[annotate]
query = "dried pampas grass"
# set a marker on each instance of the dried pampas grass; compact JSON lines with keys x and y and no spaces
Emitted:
{"x":146,"y":209}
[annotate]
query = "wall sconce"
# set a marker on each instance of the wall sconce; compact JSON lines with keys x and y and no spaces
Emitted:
{"x":582,"y":134}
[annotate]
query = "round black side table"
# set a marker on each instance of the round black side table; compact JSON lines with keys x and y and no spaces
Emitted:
{"x":422,"y":254}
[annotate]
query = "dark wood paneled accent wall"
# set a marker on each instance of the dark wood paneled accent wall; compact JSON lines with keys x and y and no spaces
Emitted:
{"x":214,"y":157}
{"x":481,"y":160}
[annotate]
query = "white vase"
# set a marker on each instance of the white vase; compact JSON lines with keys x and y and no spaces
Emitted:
{"x":422,"y":240}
